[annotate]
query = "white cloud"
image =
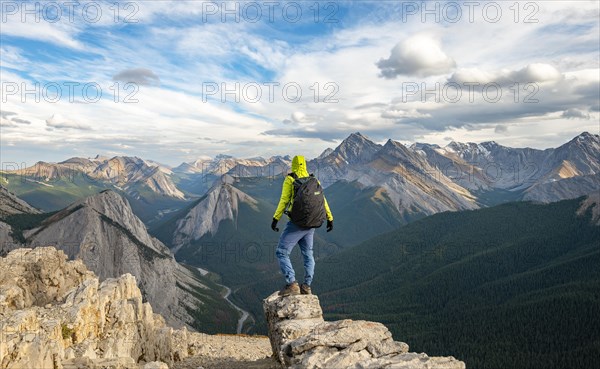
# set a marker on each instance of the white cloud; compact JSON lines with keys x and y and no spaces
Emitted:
{"x":6,"y":114}
{"x":404,"y":114}
{"x":501,"y":128}
{"x":473,"y":75}
{"x":61,"y":33}
{"x":532,"y":73}
{"x":420,"y":55}
{"x":537,"y":72}
{"x":57,"y":121}
{"x":12,"y":58}
{"x":575,"y":113}
{"x":6,"y":123}
{"x":20,"y":121}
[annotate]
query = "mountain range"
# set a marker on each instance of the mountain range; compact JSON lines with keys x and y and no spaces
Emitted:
{"x":419,"y":179}
{"x":392,"y":184}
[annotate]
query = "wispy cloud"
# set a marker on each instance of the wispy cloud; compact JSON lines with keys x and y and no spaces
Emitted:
{"x":57,"y":121}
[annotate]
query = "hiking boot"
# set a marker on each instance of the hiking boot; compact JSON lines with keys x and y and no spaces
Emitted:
{"x":305,"y":289}
{"x":290,"y":289}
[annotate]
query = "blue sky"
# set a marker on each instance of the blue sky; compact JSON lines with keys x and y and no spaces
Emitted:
{"x":522,"y":78}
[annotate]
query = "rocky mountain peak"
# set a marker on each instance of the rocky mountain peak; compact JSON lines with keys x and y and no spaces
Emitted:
{"x":325,"y":153}
{"x":77,"y":161}
{"x":586,"y":139}
{"x":472,"y":151}
{"x":115,"y":207}
{"x":391,"y":144}
{"x":356,"y":148}
{"x":582,"y":154}
{"x":220,"y":203}
{"x":456,"y":146}
{"x":490,"y":145}
{"x":357,"y":136}
{"x":422,"y":145}
{"x":395,"y":149}
{"x":587,"y":136}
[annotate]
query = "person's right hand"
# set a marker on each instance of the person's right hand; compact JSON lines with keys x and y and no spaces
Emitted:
{"x":274,"y":225}
{"x":329,"y":225}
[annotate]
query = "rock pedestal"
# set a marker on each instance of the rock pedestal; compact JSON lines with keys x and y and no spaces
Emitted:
{"x":289,"y":318}
{"x":300,"y":338}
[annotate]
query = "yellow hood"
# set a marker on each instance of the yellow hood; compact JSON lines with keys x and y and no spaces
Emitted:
{"x":299,"y":166}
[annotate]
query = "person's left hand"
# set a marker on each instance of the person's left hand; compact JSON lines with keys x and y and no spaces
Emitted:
{"x":274,"y":225}
{"x":329,"y":225}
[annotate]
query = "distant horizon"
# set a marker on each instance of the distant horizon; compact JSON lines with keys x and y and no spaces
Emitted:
{"x":205,"y":157}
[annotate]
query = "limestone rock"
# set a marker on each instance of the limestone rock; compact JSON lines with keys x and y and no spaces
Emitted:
{"x":55,"y":313}
{"x":290,"y":318}
{"x":300,"y":338}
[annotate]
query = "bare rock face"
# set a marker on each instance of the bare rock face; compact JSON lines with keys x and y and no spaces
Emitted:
{"x":300,"y":338}
{"x":37,"y":278}
{"x":6,"y":240}
{"x":55,"y":313}
{"x":53,"y":310}
{"x":11,"y":204}
{"x":103,"y":231}
{"x":220,"y":203}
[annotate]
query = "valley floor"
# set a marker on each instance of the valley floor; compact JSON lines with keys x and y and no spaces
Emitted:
{"x":245,"y":314}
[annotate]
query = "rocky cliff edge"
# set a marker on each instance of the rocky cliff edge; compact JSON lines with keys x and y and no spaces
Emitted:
{"x":301,"y":339}
{"x":55,"y":314}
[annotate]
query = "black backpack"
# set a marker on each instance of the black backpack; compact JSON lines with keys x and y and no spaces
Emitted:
{"x":308,"y":207}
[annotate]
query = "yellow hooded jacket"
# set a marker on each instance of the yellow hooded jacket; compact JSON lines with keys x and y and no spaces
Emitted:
{"x":287,"y":195}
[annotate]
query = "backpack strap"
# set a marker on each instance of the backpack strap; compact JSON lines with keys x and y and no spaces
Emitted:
{"x":295,"y":177}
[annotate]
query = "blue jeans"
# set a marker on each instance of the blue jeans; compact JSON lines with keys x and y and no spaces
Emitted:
{"x":292,"y":235}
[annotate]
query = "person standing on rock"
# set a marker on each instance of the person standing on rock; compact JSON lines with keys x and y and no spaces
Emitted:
{"x":302,"y":199}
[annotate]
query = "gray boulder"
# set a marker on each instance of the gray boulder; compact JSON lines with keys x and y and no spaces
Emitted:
{"x":300,"y":338}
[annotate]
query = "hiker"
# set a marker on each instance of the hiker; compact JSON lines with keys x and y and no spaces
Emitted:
{"x":309,"y":210}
